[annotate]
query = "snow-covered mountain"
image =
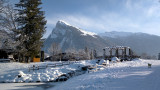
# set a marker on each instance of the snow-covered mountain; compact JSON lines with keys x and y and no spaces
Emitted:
{"x":115,"y":34}
{"x":139,"y":42}
{"x":68,"y":36}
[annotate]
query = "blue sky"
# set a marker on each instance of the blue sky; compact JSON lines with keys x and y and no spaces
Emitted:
{"x":105,"y":15}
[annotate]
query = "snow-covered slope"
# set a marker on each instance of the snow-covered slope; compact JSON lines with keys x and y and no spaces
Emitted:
{"x":115,"y":34}
{"x":85,"y":33}
{"x":139,"y":42}
{"x":68,"y":36}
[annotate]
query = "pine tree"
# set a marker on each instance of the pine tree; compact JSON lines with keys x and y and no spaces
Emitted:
{"x":31,"y":26}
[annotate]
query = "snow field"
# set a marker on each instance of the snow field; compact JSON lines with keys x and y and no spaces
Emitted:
{"x":129,"y":75}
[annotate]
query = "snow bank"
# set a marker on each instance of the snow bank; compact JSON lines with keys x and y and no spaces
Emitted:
{"x":129,"y":75}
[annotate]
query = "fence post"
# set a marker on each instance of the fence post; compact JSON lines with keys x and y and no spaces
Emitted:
{"x":38,"y":67}
{"x":29,"y":69}
{"x":33,"y":67}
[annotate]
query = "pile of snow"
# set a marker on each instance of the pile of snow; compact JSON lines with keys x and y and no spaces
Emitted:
{"x":102,"y":61}
{"x":114,"y":59}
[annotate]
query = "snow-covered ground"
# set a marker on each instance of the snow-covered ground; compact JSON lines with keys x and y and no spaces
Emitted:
{"x":19,"y":72}
{"x":129,"y":75}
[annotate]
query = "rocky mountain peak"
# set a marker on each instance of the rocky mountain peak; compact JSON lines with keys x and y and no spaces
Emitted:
{"x":62,"y":23}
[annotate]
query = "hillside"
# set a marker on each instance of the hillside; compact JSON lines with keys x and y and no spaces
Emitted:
{"x":139,"y":42}
{"x":68,"y":36}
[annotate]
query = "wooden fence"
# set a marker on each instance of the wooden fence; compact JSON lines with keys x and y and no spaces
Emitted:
{"x":38,"y":67}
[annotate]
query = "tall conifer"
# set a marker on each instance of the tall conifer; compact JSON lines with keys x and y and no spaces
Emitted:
{"x":31,"y":26}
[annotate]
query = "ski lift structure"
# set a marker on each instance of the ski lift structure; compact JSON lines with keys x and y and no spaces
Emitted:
{"x":121,"y":52}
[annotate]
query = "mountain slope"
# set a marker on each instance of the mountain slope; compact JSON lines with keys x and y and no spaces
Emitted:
{"x":68,"y":36}
{"x":139,"y":42}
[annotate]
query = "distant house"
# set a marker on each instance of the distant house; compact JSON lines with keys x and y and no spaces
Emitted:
{"x":6,"y":55}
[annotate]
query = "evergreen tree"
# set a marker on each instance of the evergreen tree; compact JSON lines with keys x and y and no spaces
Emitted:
{"x":31,"y":26}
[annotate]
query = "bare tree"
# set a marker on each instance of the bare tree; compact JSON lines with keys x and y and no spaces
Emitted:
{"x":7,"y":20}
{"x":82,"y":54}
{"x":7,"y":16}
{"x":87,"y":53}
{"x":54,"y":50}
{"x":95,"y":53}
{"x":91,"y":54}
{"x":71,"y":53}
{"x":71,"y":50}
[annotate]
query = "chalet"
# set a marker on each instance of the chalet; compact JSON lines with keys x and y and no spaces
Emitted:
{"x":121,"y":52}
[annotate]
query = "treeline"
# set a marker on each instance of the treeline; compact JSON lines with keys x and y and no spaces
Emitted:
{"x":71,"y":53}
{"x":147,"y":56}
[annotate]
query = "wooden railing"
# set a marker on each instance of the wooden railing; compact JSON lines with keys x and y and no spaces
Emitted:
{"x":38,"y":67}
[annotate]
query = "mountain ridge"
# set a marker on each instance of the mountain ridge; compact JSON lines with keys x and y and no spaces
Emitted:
{"x":139,"y":42}
{"x":68,"y":36}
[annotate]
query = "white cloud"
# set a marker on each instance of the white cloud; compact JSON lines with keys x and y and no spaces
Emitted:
{"x":138,"y":17}
{"x":154,"y":11}
{"x":104,"y":22}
